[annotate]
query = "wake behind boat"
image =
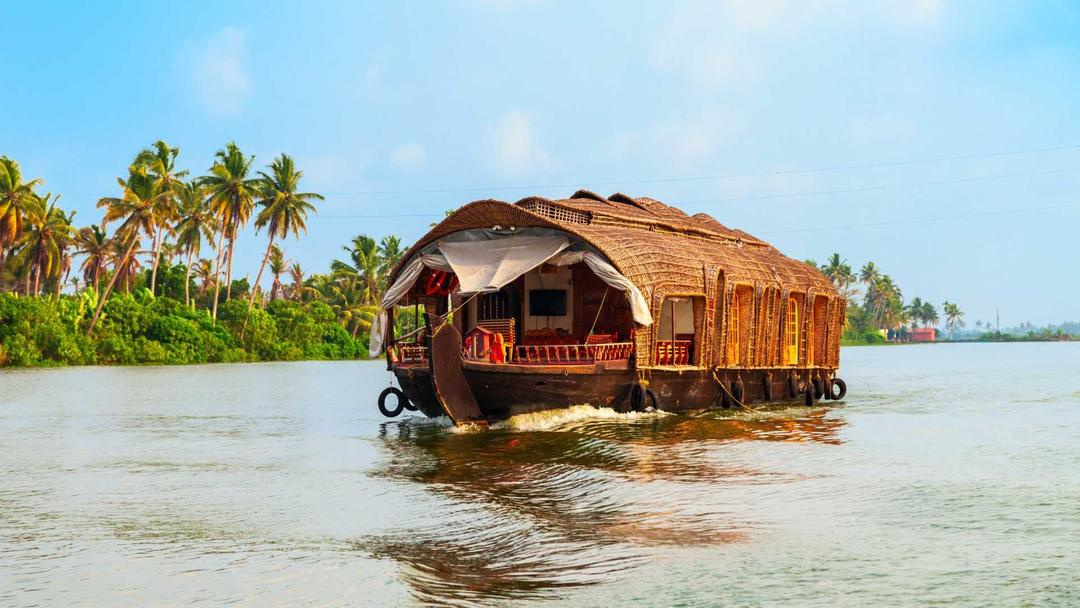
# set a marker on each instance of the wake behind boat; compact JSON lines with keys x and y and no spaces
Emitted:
{"x":618,"y":302}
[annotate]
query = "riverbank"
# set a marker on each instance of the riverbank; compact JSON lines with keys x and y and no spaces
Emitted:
{"x":144,"y":330}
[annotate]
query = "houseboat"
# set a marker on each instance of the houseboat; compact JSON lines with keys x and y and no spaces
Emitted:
{"x":614,"y":301}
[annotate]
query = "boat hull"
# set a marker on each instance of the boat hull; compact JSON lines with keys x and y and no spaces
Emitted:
{"x":502,"y":391}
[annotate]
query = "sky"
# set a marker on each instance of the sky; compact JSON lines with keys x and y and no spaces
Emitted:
{"x":939,"y":139}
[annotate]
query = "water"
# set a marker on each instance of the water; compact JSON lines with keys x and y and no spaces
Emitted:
{"x":951,"y":475}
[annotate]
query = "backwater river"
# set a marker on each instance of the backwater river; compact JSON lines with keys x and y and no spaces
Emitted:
{"x":950,"y":475}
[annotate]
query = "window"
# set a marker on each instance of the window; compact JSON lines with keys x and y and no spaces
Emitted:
{"x":733,"y":341}
{"x":791,"y":332}
{"x":677,"y":331}
{"x":494,"y":306}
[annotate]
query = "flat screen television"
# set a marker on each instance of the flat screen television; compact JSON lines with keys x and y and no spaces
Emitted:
{"x":547,"y":302}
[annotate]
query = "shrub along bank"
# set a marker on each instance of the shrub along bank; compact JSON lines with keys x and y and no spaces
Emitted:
{"x":141,"y":329}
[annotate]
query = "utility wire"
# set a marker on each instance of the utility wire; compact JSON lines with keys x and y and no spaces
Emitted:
{"x":927,"y":220}
{"x":663,"y":180}
{"x":963,"y":180}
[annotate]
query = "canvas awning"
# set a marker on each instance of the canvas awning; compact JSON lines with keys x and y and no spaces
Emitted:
{"x":484,"y":266}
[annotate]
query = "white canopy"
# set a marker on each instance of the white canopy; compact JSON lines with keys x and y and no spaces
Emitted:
{"x":489,"y":265}
{"x":486,"y":266}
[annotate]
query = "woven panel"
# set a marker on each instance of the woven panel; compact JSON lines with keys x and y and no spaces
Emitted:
{"x":663,"y":250}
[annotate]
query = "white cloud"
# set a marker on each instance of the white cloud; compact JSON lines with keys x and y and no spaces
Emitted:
{"x":408,"y":156}
{"x":514,"y":147}
{"x":219,"y":79}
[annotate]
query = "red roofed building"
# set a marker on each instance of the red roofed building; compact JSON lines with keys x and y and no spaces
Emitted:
{"x":922,"y":334}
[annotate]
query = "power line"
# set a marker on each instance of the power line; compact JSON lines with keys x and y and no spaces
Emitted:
{"x":662,"y":180}
{"x":963,"y":180}
{"x":924,"y":220}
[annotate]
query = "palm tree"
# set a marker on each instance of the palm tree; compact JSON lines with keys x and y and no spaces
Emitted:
{"x":196,"y":222}
{"x":15,"y":196}
{"x":954,"y":317}
{"x":869,"y":274}
{"x":204,"y":271}
{"x":915,"y":311}
{"x":929,"y":314}
{"x":296,"y":273}
{"x":284,"y":210}
{"x":137,"y":208}
{"x":365,"y":271}
{"x":232,"y":196}
{"x":839,"y":272}
{"x":93,"y":243}
{"x":277,"y":267}
{"x":125,"y":267}
{"x":160,"y":162}
{"x":390,"y":251}
{"x":44,"y":241}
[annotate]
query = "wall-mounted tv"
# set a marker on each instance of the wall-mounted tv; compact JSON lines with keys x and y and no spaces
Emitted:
{"x":547,"y":302}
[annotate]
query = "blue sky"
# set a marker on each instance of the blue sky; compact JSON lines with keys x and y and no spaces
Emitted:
{"x":505,"y":98}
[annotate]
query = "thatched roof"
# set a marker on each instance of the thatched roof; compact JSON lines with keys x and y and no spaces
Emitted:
{"x":660,"y":248}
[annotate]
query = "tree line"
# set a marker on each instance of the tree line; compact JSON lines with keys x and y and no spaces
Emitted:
{"x":169,"y":238}
{"x":882,"y":306}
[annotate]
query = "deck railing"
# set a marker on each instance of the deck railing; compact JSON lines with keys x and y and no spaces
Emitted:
{"x":572,"y":353}
{"x":673,"y":352}
{"x":412,"y":354}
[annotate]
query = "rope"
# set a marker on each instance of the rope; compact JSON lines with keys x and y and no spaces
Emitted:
{"x":732,"y":397}
{"x":443,"y":317}
{"x":597,"y":317}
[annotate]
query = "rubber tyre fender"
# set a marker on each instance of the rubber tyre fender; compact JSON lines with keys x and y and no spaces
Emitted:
{"x":809,"y":395}
{"x":792,"y":387}
{"x":650,"y":395}
{"x":637,"y":398}
{"x":837,"y":383}
{"x":738,"y":391}
{"x":402,"y":400}
{"x":766,"y":388}
{"x":819,"y":388}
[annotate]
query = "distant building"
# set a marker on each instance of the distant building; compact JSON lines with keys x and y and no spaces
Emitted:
{"x":922,"y":334}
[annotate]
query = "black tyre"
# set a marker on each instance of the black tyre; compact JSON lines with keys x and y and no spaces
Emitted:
{"x":837,"y":389}
{"x":766,"y":388}
{"x":637,"y":398}
{"x":819,"y":388}
{"x":792,"y":387}
{"x":809,"y":395}
{"x":651,"y":399}
{"x":738,"y":391}
{"x":401,"y":402}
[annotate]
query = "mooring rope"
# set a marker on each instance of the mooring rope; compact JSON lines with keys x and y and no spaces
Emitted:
{"x":733,"y":399}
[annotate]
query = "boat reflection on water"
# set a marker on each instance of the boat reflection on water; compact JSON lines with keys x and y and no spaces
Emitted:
{"x":566,"y":499}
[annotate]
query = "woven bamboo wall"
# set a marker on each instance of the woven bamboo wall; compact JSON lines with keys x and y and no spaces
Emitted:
{"x":664,"y":251}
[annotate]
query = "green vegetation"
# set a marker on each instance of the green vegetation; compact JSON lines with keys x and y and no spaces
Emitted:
{"x":142,"y":294}
{"x":882,"y":315}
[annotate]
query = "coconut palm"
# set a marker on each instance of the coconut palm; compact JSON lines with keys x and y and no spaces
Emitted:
{"x":954,"y":317}
{"x":93,"y":243}
{"x":915,"y":312}
{"x":277,"y":267}
{"x":284,"y":210}
{"x":930,"y":314}
{"x":232,"y":196}
{"x":390,"y":251}
{"x":41,"y":247}
{"x":137,"y":210}
{"x":364,"y":273}
{"x":160,"y":162}
{"x":869,"y":274}
{"x":15,"y":197}
{"x":196,"y":222}
{"x":296,"y":274}
{"x":839,"y":272}
{"x":125,"y":267}
{"x":203,"y":269}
